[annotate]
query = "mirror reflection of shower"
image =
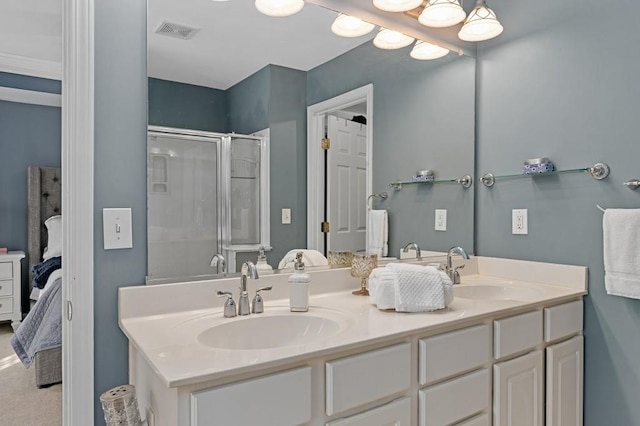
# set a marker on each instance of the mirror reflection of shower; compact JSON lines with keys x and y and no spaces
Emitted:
{"x":206,"y":196}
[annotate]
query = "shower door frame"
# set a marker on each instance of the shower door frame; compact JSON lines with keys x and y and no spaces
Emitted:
{"x":223,"y":141}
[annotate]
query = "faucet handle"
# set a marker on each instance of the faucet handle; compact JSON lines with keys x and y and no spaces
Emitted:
{"x":229,"y":304}
{"x":257,"y":306}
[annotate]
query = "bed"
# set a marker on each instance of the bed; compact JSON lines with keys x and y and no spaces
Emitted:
{"x":44,"y":201}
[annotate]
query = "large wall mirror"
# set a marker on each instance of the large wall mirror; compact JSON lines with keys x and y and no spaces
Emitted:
{"x":223,"y":69}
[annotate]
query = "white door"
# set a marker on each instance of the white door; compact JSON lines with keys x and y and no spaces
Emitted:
{"x":346,"y":184}
{"x":518,"y":391}
{"x":564,"y":383}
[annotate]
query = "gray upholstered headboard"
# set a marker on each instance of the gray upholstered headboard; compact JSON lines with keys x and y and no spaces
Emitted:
{"x":44,"y":201}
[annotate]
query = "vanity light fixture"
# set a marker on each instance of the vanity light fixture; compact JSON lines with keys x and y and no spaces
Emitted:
{"x":350,"y":26}
{"x":481,"y":24}
{"x":389,"y":39}
{"x":426,"y":51}
{"x":397,"y":5}
{"x":279,"y":8}
{"x":442,"y":13}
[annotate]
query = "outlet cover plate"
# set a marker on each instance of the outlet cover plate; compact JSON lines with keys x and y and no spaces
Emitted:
{"x":519,"y":222}
{"x":286,"y":216}
{"x":441,"y":220}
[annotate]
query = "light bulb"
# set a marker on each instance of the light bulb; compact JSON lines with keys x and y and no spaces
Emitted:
{"x":442,"y":13}
{"x":388,"y":39}
{"x":397,"y":5}
{"x":426,"y":51}
{"x":481,"y":24}
{"x":279,"y":8}
{"x":350,"y":26}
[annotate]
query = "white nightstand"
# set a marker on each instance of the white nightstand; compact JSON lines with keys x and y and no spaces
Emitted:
{"x":10,"y":288}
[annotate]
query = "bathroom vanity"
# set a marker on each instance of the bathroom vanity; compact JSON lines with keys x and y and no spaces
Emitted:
{"x":507,"y":351}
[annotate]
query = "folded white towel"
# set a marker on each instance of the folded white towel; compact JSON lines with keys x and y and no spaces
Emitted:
{"x":377,"y":231}
{"x":621,"y":238}
{"x":382,"y":288}
{"x":410,"y":288}
{"x":309,"y":257}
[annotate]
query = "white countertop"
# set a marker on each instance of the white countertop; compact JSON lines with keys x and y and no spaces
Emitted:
{"x":166,"y":335}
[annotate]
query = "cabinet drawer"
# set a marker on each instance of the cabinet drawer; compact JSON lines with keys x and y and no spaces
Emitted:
{"x":516,"y":334}
{"x":6,"y":305}
{"x":562,"y":321}
{"x":280,"y":399}
{"x":359,"y":379}
{"x":481,"y":420}
{"x":454,"y":353}
{"x":456,"y":399}
{"x":396,"y":413}
{"x":6,"y":270}
{"x":6,"y":288}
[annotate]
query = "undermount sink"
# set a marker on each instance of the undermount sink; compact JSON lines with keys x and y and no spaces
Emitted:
{"x":274,"y":330}
{"x":495,"y":292}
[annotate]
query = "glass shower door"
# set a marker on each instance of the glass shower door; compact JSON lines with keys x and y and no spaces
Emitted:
{"x":183,"y":219}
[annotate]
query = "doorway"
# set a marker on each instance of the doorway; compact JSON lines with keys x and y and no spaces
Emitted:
{"x":346,"y":199}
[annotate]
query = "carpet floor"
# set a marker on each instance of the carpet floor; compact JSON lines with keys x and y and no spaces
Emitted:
{"x":23,"y":403}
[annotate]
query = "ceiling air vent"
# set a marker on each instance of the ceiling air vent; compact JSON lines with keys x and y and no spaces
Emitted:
{"x":177,"y":31}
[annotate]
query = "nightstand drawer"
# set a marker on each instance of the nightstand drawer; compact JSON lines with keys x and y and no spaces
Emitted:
{"x":6,"y":305}
{"x":6,"y":288}
{"x":6,"y":270}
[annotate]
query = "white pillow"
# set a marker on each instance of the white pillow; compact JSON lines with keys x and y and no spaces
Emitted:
{"x":54,"y":241}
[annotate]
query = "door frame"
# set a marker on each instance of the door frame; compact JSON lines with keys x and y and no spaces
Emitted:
{"x":78,"y":218}
{"x":315,"y":157}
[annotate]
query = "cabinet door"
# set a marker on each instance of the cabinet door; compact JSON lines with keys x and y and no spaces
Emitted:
{"x":396,"y":413}
{"x":564,"y":383}
{"x":281,"y":399}
{"x":518,"y":391}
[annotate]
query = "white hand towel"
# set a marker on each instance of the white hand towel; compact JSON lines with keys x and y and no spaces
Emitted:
{"x":377,"y":230}
{"x":309,"y":257}
{"x":382,"y":283}
{"x":420,"y":291}
{"x":622,"y":252}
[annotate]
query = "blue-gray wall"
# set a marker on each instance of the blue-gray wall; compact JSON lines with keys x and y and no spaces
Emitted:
{"x":187,"y":106}
{"x":248,"y":103}
{"x":561,"y":82}
{"x":120,"y":175}
{"x":29,"y":135}
{"x":423,"y":118}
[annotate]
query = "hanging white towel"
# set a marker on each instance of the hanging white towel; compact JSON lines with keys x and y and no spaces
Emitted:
{"x":378,"y":230}
{"x":622,"y":252}
{"x":309,"y":257}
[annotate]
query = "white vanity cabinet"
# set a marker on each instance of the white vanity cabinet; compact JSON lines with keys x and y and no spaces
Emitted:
{"x":564,"y":383}
{"x":396,"y":413}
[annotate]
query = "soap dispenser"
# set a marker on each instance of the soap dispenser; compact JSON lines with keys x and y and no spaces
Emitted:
{"x":299,"y":287}
{"x":262,"y":264}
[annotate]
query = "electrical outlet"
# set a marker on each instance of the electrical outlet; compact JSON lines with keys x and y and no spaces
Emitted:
{"x":519,"y":225}
{"x":441,"y":220}
{"x":286,"y":216}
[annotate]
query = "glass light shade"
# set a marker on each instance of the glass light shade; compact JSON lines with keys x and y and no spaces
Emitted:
{"x":279,"y":8}
{"x":350,"y":26}
{"x":388,"y":39}
{"x":442,"y":13}
{"x":425,"y":51}
{"x":481,"y":24}
{"x":397,"y":5}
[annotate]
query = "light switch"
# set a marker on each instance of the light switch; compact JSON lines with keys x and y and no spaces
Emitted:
{"x":286,"y":216}
{"x":116,"y":225}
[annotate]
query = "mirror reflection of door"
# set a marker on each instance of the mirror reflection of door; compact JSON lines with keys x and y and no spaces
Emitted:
{"x":345,"y":179}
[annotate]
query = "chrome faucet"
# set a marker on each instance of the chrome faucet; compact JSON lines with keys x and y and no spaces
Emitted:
{"x":450,"y":270}
{"x":218,"y":261}
{"x":248,"y":269}
{"x":415,"y":246}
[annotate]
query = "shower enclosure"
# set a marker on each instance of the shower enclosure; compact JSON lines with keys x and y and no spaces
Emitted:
{"x":208,"y":193}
